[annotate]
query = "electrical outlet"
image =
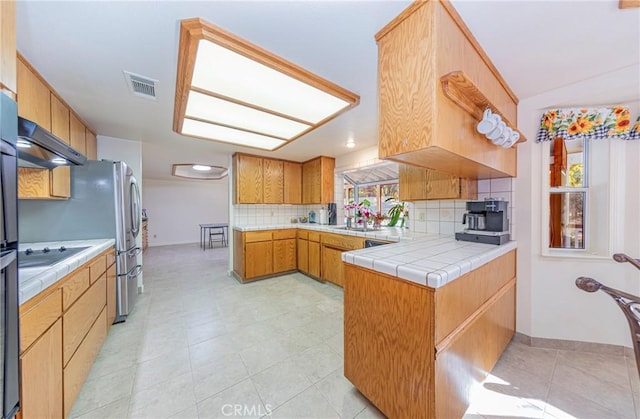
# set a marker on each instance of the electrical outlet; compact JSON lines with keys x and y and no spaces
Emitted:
{"x":272,"y":213}
{"x":155,"y":235}
{"x":422,"y":216}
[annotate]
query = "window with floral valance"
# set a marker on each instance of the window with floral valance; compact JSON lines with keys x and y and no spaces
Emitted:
{"x":588,"y":124}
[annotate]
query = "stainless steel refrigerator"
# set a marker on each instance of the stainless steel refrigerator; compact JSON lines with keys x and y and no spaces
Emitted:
{"x":9,"y":304}
{"x":104,"y":203}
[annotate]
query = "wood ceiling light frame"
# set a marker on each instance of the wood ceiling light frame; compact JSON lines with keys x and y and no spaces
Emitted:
{"x":628,"y":4}
{"x":195,"y":29}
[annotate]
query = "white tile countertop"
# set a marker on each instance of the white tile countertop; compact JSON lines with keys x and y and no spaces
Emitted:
{"x":393,"y":234}
{"x":432,"y":260}
{"x":34,"y":280}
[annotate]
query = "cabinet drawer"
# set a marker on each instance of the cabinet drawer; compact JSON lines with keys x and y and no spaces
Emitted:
{"x":97,"y":267}
{"x":284,"y":234}
{"x":74,"y":287}
{"x":77,"y":321}
{"x":343,"y":242}
{"x":78,"y":367}
{"x":314,"y":236}
{"x":303,"y":234}
{"x":257,"y":236}
{"x":111,"y":258}
{"x":37,"y":320}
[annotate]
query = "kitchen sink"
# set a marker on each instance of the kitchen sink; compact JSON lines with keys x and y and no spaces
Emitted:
{"x":46,"y":257}
{"x":358,"y":229}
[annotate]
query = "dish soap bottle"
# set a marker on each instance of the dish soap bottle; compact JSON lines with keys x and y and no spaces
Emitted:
{"x":312,"y":217}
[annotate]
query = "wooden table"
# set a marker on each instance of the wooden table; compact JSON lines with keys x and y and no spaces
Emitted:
{"x":208,"y":227}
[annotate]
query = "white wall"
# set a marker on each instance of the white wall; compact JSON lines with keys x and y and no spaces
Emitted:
{"x":175,"y":208}
{"x":549,"y":303}
{"x":130,"y":152}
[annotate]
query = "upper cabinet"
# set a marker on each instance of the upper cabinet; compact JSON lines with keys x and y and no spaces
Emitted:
{"x":261,"y":180}
{"x":418,"y":123}
{"x":38,"y":102}
{"x":8,"y":81}
{"x":317,"y":180}
{"x":418,"y":184}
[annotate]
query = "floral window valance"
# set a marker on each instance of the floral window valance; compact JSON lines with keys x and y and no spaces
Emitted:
{"x":598,"y":123}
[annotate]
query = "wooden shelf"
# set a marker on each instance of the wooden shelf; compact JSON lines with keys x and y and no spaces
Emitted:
{"x":465,"y":94}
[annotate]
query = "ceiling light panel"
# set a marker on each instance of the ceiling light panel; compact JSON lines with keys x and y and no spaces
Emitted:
{"x":229,"y":135}
{"x":230,"y":74}
{"x":209,"y":108}
{"x":232,"y":91}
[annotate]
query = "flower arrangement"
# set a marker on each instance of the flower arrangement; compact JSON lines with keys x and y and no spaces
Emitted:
{"x":362,"y":210}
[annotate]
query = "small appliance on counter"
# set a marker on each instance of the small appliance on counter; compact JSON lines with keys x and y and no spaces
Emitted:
{"x":487,"y":222}
{"x":312,"y":216}
{"x":332,"y":213}
{"x":322,"y":217}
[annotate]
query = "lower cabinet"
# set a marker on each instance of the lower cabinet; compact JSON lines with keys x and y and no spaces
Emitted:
{"x":62,"y":331}
{"x":332,"y":270}
{"x":41,"y":376}
{"x":314,"y":258}
{"x":284,"y":255}
{"x":303,"y":255}
{"x":258,"y":259}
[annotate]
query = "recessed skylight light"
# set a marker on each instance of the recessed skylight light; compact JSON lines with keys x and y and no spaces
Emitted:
{"x":198,"y":171}
{"x":232,"y":91}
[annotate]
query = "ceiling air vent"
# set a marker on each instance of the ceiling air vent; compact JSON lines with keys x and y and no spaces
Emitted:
{"x":140,"y":85}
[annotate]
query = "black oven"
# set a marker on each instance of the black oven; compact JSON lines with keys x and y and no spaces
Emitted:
{"x":9,"y":301}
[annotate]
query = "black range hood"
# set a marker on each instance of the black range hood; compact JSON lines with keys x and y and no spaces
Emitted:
{"x":40,"y":148}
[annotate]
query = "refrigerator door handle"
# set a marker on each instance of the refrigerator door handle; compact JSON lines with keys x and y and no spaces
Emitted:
{"x":134,"y":251}
{"x":134,"y":272}
{"x":6,"y":259}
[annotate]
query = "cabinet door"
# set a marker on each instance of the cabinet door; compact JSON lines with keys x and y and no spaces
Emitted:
{"x":417,"y":184}
{"x":406,"y":85}
{"x":77,"y":134}
{"x":314,"y":259}
{"x":60,"y":119}
{"x":311,"y":182}
{"x":284,"y":255}
{"x":91,"y":145}
{"x":303,"y":255}
{"x":111,"y":294}
{"x":412,"y":183}
{"x":41,"y":371}
{"x":34,"y":101}
{"x":248,"y":179}
{"x":258,"y":259}
{"x":292,"y":183}
{"x":332,"y":265}
{"x":273,"y":181}
{"x":61,"y":182}
{"x":8,"y":45}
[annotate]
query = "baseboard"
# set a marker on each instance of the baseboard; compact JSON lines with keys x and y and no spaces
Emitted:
{"x":574,"y":345}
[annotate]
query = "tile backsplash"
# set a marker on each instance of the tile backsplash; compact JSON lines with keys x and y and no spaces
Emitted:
{"x":445,"y":216}
{"x":442,"y":217}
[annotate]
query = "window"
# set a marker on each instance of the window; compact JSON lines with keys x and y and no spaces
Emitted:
{"x":568,"y":194}
{"x":377,"y":194}
{"x":582,"y":203}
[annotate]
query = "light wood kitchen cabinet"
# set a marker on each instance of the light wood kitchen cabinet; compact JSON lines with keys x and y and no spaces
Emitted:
{"x":111,"y":295}
{"x":77,"y":134}
{"x":258,"y":259}
{"x":417,"y":184}
{"x":273,"y":181}
{"x":417,"y":123}
{"x":464,"y":326}
{"x":292,"y":183}
{"x":59,"y":119}
{"x":332,"y":270}
{"x":303,"y":254}
{"x":284,"y":255}
{"x":34,"y":97}
{"x":314,"y":254}
{"x":8,"y":82}
{"x":36,"y":183}
{"x":91,"y":145}
{"x":317,"y":180}
{"x":247,"y":179}
{"x":62,"y":330}
{"x":41,"y":376}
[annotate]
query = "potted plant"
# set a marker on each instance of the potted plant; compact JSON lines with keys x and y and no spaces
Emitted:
{"x":395,"y":212}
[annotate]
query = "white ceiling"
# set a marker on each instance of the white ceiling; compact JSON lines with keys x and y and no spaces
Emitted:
{"x":81,"y":49}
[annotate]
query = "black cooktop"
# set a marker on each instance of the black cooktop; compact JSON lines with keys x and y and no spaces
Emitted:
{"x":46,"y":257}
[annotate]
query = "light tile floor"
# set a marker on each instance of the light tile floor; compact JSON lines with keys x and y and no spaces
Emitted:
{"x":199,"y":344}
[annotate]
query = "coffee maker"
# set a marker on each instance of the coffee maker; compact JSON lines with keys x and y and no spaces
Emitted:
{"x":487,"y":222}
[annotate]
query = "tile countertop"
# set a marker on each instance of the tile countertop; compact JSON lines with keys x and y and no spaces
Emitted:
{"x":34,"y":280}
{"x":433,"y":260}
{"x":393,"y":234}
